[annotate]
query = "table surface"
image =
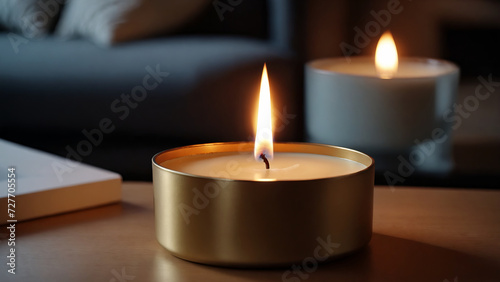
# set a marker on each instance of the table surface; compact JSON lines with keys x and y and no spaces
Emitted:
{"x":419,"y":234}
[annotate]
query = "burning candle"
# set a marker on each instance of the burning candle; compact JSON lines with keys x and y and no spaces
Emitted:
{"x":387,"y":106}
{"x":261,"y":203}
{"x":248,"y":166}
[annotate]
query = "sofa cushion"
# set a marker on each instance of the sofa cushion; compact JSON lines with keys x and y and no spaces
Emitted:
{"x":32,"y":18}
{"x":111,"y":21}
{"x":209,"y":94}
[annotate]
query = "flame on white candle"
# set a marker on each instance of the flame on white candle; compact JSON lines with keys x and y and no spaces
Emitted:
{"x":264,"y":133}
{"x":386,"y":56}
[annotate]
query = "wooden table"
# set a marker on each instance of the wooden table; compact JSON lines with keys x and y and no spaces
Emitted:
{"x":420,"y":234}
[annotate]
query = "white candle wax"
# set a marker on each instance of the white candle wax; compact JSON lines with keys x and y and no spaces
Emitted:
{"x":284,"y":166}
{"x":407,"y":68}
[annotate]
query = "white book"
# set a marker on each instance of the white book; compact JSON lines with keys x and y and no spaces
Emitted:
{"x":35,"y":184}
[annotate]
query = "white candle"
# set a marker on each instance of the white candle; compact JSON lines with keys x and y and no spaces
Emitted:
{"x":347,"y":104}
{"x":284,"y":166}
{"x":351,"y":104}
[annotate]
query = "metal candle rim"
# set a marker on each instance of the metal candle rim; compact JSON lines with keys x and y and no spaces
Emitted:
{"x":278,"y":146}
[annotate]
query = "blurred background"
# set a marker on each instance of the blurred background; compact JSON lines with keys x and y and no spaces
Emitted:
{"x":111,"y":85}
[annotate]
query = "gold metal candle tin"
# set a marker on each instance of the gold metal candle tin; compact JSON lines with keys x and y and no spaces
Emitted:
{"x":254,"y":223}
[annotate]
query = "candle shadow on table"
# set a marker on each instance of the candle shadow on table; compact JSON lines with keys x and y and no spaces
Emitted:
{"x":386,"y":258}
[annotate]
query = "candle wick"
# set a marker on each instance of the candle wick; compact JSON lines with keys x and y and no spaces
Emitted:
{"x":263,"y":157}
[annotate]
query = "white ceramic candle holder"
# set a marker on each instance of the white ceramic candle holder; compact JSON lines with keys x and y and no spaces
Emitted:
{"x":406,"y":116}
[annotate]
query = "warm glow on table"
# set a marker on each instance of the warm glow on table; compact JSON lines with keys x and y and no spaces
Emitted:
{"x":420,"y":234}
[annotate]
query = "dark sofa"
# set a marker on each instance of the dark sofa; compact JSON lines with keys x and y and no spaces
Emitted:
{"x":115,"y":107}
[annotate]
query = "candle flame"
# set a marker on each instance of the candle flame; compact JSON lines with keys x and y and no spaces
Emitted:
{"x":386,"y":56}
{"x":264,"y":133}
